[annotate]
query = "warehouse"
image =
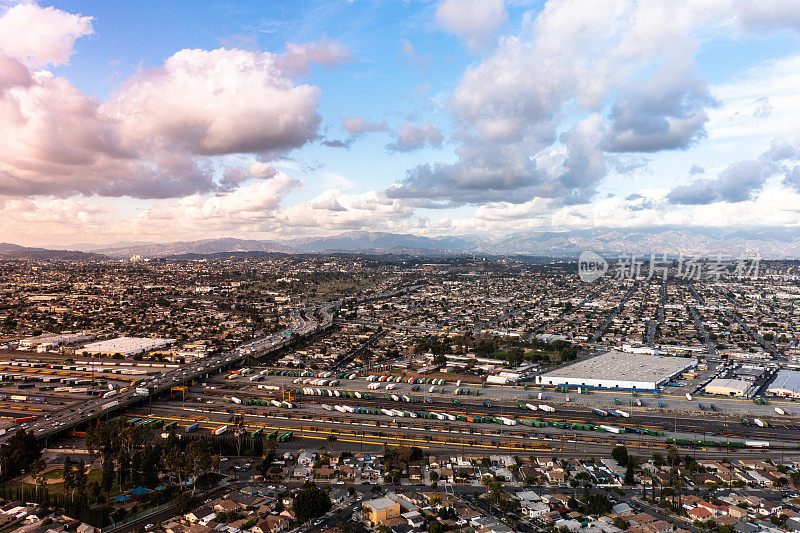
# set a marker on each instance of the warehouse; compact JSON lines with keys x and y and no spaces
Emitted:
{"x":123,"y":346}
{"x":618,"y":370}
{"x":728,"y":387}
{"x":786,"y":384}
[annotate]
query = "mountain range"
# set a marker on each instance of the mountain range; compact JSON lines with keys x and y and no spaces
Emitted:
{"x":767,"y":242}
{"x":13,"y":251}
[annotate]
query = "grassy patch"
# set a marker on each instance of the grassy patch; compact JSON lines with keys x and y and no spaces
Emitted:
{"x":58,"y":488}
{"x":55,"y":474}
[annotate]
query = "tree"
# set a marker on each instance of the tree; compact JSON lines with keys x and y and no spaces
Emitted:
{"x":311,"y":502}
{"x":198,"y":457}
{"x":107,"y":479}
{"x":183,"y":502}
{"x":673,"y":458}
{"x":620,"y":454}
{"x":440,"y":360}
{"x":17,"y":455}
{"x":81,"y":478}
{"x":629,"y":479}
{"x":68,"y":474}
{"x":37,"y":470}
{"x":621,"y":523}
{"x":124,"y":467}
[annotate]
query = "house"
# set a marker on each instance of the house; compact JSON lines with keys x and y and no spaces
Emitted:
{"x":735,"y":511}
{"x":86,"y":528}
{"x":338,"y":495}
{"x":225,"y":506}
{"x":245,"y":500}
{"x":534,"y":509}
{"x":201,"y":515}
{"x":769,"y":508}
{"x":305,"y":459}
{"x":745,"y":527}
{"x":324,"y":472}
{"x":571,"y":525}
{"x":700,"y":513}
{"x":173,"y":527}
{"x":556,"y":476}
{"x":622,"y":509}
{"x":659,"y":526}
{"x":271,"y":524}
{"x":793,"y":524}
{"x":414,"y":519}
{"x":381,"y":509}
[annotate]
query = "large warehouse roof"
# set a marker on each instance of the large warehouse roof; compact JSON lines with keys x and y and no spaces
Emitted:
{"x":619,"y":369}
{"x":125,"y":345}
{"x":785,"y":382}
{"x":728,"y":387}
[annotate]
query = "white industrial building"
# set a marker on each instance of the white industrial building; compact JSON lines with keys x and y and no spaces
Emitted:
{"x":619,"y":370}
{"x":124,"y":346}
{"x":728,"y":387}
{"x":786,"y":384}
{"x":50,"y":341}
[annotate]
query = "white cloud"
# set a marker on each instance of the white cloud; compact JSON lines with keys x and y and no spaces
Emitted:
{"x":411,"y":137}
{"x":473,"y":21}
{"x":250,"y":208}
{"x":41,"y":36}
{"x":156,"y":136}
{"x":359,"y":125}
{"x":299,"y":57}
{"x":217,"y":102}
{"x":568,"y":62}
{"x":334,"y":211}
{"x":410,"y":53}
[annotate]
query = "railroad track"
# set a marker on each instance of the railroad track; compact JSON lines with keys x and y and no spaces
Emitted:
{"x":725,"y":428}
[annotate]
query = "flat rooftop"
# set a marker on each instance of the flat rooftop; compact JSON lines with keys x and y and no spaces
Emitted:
{"x":126,"y":345}
{"x":380,"y":503}
{"x":786,"y":380}
{"x":732,"y":384}
{"x":616,"y":365}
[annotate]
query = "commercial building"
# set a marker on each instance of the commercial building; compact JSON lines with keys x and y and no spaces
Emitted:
{"x":381,"y":509}
{"x":786,"y":384}
{"x":50,"y":341}
{"x":619,"y":370}
{"x":728,"y":387}
{"x":123,"y":346}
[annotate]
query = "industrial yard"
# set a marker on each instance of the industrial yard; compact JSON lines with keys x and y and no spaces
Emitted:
{"x":478,"y":359}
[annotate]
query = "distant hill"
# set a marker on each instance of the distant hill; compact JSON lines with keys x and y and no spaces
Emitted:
{"x":357,"y":241}
{"x":13,"y":251}
{"x":768,"y":242}
{"x":375,"y":241}
{"x":200,"y":247}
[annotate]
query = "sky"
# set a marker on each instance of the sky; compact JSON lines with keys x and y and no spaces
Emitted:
{"x":157,"y":121}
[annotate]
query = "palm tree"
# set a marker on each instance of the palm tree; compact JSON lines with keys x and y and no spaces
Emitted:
{"x":37,"y":471}
{"x":238,"y":423}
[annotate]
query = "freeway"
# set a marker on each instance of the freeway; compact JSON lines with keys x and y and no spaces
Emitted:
{"x":96,"y":407}
{"x":303,"y":326}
